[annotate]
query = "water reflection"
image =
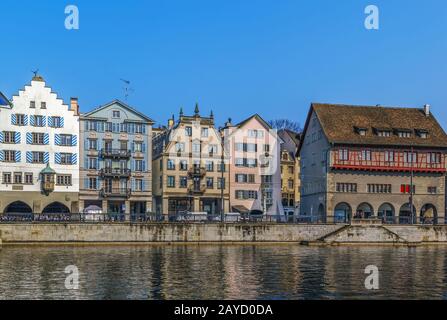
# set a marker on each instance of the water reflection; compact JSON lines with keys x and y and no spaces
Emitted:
{"x":222,"y":272}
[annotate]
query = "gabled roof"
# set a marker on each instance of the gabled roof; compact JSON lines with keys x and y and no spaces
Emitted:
{"x":4,"y":101}
{"x":257,"y":117}
{"x":123,"y":105}
{"x":339,"y":121}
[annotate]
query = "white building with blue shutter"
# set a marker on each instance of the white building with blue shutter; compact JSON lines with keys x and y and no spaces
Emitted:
{"x":115,"y":162}
{"x":39,"y":152}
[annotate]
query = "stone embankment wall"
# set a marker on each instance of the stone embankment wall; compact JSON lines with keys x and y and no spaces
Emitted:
{"x":324,"y":234}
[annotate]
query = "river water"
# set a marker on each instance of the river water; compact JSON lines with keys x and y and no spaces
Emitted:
{"x":222,"y":272}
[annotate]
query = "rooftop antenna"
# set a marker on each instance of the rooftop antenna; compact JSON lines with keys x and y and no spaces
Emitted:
{"x":127,"y":88}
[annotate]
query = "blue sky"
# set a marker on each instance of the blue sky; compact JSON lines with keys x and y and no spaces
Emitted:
{"x":234,"y":57}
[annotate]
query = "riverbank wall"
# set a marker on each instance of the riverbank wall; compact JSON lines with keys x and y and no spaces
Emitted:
{"x":315,"y":234}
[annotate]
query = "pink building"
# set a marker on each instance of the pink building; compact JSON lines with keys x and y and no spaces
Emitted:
{"x":253,"y":152}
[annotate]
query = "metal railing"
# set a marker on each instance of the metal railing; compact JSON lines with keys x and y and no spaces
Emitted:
{"x":115,"y":172}
{"x":118,"y":153}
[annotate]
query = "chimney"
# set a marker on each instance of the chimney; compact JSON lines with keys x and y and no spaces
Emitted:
{"x":74,"y":106}
{"x":427,"y":110}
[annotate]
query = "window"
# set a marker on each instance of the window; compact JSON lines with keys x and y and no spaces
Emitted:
{"x":406,"y":188}
{"x":183,"y":165}
{"x":115,"y":114}
{"x":139,"y":185}
{"x":246,"y":147}
{"x":210,"y":183}
{"x":139,"y":128}
{"x":246,"y":194}
{"x":170,"y":164}
{"x":346,"y":187}
{"x":188,"y":131}
{"x":290,"y":184}
{"x":183,"y":182}
{"x":245,"y":178}
{"x":66,"y":139}
{"x":38,"y":138}
{"x":220,"y":183}
{"x":343,"y":154}
{"x":196,"y":147}
{"x":38,"y":157}
{"x":28,"y":178}
{"x":38,"y":121}
{"x":221,"y":167}
{"x":255,"y":133}
{"x":379,"y":188}
{"x":209,"y":165}
{"x":63,"y":180}
{"x":179,"y":147}
{"x":7,"y":178}
{"x":384,"y":133}
{"x":123,"y":145}
{"x":404,"y":134}
{"x":9,"y":156}
{"x":389,"y":156}
{"x":57,"y":122}
{"x":66,"y":158}
{"x":204,"y":133}
{"x":17,"y":178}
{"x":92,"y":144}
{"x":9,"y":137}
{"x":32,"y":104}
{"x":366,"y":155}
{"x":43,"y":105}
{"x":20,"y":119}
{"x":266,"y":148}
{"x":212,"y":149}
{"x":432,"y":190}
{"x":422,"y":133}
{"x":93,"y":183}
{"x":410,"y":157}
{"x":138,"y":147}
{"x":108,"y":127}
{"x":171,"y":182}
{"x":92,"y":125}
{"x":93,"y":163}
{"x":123,"y":127}
{"x":291,"y":169}
{"x":433,"y":158}
{"x":139,"y":165}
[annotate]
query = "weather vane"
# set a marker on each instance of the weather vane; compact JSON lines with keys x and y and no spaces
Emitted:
{"x":35,"y":72}
{"x":127,"y":88}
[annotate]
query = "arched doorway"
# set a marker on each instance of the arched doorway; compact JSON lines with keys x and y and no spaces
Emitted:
{"x":429,"y":214}
{"x":321,"y":213}
{"x":364,"y":211}
{"x":386,"y":213}
{"x":406,"y":216}
{"x":18,"y":210}
{"x":342,"y":213}
{"x":56,"y":208}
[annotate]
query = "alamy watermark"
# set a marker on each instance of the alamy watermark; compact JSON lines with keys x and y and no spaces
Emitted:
{"x":72,"y":18}
{"x":372,"y":20}
{"x":72,"y":280}
{"x":372,"y":280}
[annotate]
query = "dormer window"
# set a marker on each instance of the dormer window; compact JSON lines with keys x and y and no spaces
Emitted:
{"x":403,"y":133}
{"x":115,"y":114}
{"x":383,"y":132}
{"x":422,"y":133}
{"x":361,"y":131}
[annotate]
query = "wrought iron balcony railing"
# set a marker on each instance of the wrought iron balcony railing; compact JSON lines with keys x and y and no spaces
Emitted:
{"x":116,"y":192}
{"x":115,"y":172}
{"x":115,"y":153}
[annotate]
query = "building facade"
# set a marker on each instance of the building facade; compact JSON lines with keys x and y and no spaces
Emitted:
{"x":253,"y":151}
{"x":361,"y":161}
{"x":39,"y":152}
{"x":290,"y":172}
{"x":116,"y":168}
{"x":188,"y":171}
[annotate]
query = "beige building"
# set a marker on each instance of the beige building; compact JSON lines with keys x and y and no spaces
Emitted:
{"x":362,"y":161}
{"x":187,"y":175}
{"x":290,"y":172}
{"x":253,"y":151}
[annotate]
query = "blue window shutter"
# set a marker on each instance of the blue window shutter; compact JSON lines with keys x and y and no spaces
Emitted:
{"x":46,"y":157}
{"x":57,"y":139}
{"x":143,"y":147}
{"x":57,"y":158}
{"x":62,"y":123}
{"x":143,"y":186}
{"x":18,"y":156}
{"x":74,"y":140}
{"x":29,"y":138}
{"x":86,"y":125}
{"x":1,"y":136}
{"x":86,"y":144}
{"x":74,"y":158}
{"x":2,"y":155}
{"x":46,"y":138}
{"x":133,"y":146}
{"x":132,"y":165}
{"x":144,"y":128}
{"x":144,"y":165}
{"x":29,"y":157}
{"x":32,"y":121}
{"x":25,"y":119}
{"x":50,"y":121}
{"x":17,"y":137}
{"x":44,"y":121}
{"x":13,"y":119}
{"x":86,"y":183}
{"x":86,"y":162}
{"x":133,"y":184}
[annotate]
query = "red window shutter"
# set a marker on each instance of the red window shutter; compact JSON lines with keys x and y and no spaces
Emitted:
{"x":402,"y":188}
{"x":408,"y":188}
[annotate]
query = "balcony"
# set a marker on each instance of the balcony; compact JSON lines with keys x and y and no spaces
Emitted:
{"x":115,"y":173}
{"x":388,"y":160}
{"x":197,"y":189}
{"x":197,"y":172}
{"x":115,"y":153}
{"x":116,"y":192}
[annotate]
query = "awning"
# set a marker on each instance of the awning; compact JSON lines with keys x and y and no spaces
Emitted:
{"x":240,"y":209}
{"x":93,"y":210}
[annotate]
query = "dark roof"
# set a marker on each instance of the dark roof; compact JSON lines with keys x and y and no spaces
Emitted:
{"x":339,"y":122}
{"x":3,"y":100}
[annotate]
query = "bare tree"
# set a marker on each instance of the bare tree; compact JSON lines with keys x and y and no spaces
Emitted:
{"x":285,"y":124}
